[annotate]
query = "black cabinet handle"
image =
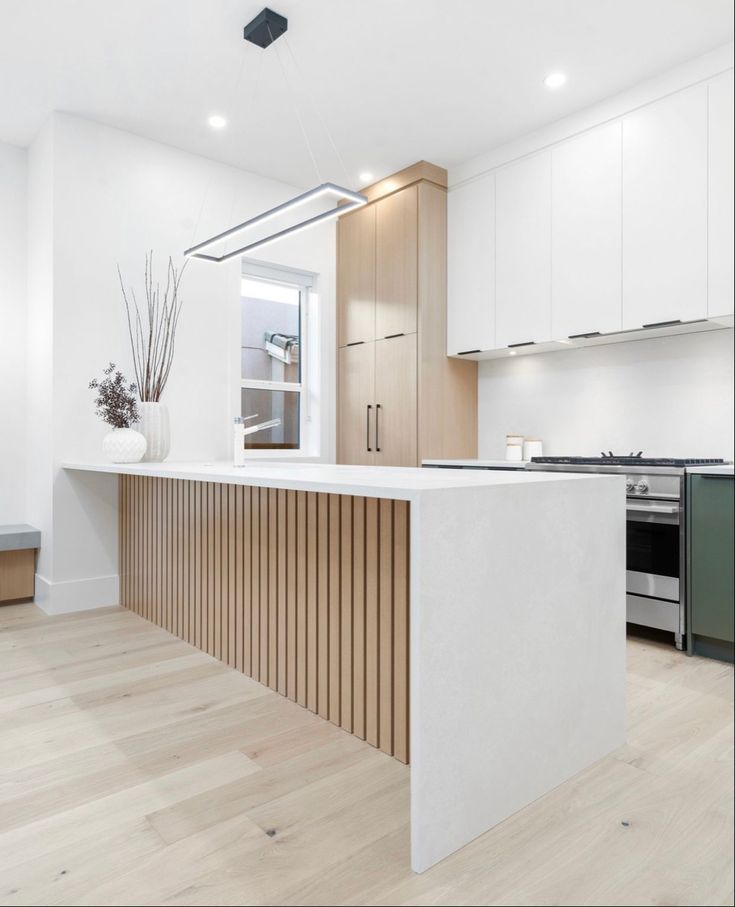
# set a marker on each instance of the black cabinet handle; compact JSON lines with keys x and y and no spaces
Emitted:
{"x":467,"y":352}
{"x":355,"y":343}
{"x":663,"y":324}
{"x":585,"y":334}
{"x":377,"y":428}
{"x":391,"y":336}
{"x":525,"y":343}
{"x":367,"y":428}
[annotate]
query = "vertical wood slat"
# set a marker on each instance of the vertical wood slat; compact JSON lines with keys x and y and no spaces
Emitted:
{"x":312,"y":553}
{"x":301,"y":599}
{"x":385,"y":627}
{"x":322,"y":667}
{"x":372,"y":623}
{"x":282,"y":627}
{"x":306,"y":591}
{"x":358,"y":617}
{"x":335,"y":617}
{"x":400,"y":630}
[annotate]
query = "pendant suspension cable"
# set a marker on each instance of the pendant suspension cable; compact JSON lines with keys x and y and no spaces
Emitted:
{"x":317,"y":112}
{"x":295,"y":106}
{"x":233,"y":97}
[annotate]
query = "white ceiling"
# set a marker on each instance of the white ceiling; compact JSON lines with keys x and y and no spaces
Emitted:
{"x":394,"y":80}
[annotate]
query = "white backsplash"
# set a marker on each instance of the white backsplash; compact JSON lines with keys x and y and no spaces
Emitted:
{"x":669,"y":396}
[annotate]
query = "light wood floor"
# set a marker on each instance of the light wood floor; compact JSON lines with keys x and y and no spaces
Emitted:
{"x":137,"y":770}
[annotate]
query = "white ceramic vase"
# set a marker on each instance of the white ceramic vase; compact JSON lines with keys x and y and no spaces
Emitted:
{"x":154,"y":426}
{"x":124,"y":445}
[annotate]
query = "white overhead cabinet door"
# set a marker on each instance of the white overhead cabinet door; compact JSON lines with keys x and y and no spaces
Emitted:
{"x":665,"y":210}
{"x":523,"y":252}
{"x":721,"y":195}
{"x":471,"y":267}
{"x":586,"y":212}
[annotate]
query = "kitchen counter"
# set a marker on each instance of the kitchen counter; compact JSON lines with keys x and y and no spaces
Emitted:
{"x":370,"y":481}
{"x":469,"y":622}
{"x":723,"y":469}
{"x":477,"y":464}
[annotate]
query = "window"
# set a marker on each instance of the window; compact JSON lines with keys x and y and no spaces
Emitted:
{"x":272,"y":369}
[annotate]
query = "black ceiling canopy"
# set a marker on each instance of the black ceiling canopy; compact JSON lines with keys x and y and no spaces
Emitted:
{"x":265,"y":28}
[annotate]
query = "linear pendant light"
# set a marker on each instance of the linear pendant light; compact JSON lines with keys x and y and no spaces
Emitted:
{"x":263,"y":30}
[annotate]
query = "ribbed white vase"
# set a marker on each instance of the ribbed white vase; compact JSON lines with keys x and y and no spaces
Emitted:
{"x":154,"y":426}
{"x":123,"y":445}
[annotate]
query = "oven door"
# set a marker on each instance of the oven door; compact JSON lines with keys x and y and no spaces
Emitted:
{"x":653,"y":552}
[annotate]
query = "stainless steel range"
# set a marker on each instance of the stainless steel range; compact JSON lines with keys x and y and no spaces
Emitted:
{"x":656,"y":524}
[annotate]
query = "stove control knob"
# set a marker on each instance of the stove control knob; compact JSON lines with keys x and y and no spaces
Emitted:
{"x":629,"y":486}
{"x":642,"y":486}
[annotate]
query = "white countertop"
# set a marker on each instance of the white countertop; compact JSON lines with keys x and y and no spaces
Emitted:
{"x":364,"y":481}
{"x":723,"y":469}
{"x":478,"y":464}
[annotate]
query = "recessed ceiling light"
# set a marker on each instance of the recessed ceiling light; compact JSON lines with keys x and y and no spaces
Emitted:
{"x":555,"y":80}
{"x":216,"y":121}
{"x":366,"y":177}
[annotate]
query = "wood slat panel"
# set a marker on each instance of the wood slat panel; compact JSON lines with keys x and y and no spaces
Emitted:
{"x":301,"y":599}
{"x":312,"y":553}
{"x":322,"y":669}
{"x":306,"y":592}
{"x":291,"y":595}
{"x":385,"y":627}
{"x":372,"y":623}
{"x":346,"y":606}
{"x":358,"y":617}
{"x":400,"y":630}
{"x":335,"y":616}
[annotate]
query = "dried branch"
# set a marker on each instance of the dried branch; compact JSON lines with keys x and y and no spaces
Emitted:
{"x":152,"y":328}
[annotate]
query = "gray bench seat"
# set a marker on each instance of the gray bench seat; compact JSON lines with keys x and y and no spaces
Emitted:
{"x":19,"y":536}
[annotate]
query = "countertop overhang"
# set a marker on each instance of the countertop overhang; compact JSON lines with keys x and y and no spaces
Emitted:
{"x":399,"y":483}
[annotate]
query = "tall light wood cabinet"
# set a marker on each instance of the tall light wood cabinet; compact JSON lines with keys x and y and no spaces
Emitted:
{"x":400,"y":399}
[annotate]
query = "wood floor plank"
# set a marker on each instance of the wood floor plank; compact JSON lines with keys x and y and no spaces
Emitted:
{"x":160,"y":775}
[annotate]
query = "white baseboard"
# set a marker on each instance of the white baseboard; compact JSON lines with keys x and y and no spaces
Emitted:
{"x":78,"y":594}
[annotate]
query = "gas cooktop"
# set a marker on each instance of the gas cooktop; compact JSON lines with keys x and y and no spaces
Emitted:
{"x":631,"y":460}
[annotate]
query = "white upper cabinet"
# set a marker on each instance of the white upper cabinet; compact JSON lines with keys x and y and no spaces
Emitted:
{"x":523,"y":252}
{"x":721,"y":195}
{"x":471,"y":266}
{"x":665,"y":210}
{"x":586,"y":212}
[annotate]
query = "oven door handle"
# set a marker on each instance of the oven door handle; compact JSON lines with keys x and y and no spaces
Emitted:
{"x":653,"y":508}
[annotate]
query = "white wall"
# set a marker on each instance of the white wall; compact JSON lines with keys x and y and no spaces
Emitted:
{"x":114,"y":196}
{"x":669,"y":396}
{"x":13,"y":171}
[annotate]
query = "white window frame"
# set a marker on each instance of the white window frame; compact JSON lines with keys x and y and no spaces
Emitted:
{"x":305,"y":283}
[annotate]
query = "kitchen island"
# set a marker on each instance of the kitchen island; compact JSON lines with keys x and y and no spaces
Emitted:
{"x":470,"y":623}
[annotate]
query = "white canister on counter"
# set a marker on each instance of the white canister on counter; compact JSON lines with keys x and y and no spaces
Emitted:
{"x":514,"y":447}
{"x":533,"y":447}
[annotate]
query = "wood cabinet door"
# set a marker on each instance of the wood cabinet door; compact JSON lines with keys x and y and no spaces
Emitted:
{"x":396,"y":264}
{"x":471,"y":266}
{"x":586,"y":247}
{"x":665,"y":210}
{"x":356,"y":404}
{"x":396,"y":401}
{"x":356,"y":276}
{"x":523,"y":252}
{"x":721,"y":214}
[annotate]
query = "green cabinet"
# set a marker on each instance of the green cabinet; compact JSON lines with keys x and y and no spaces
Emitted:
{"x":711,"y":510}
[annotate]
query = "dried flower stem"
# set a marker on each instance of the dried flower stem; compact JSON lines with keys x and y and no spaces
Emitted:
{"x":153,"y":335}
